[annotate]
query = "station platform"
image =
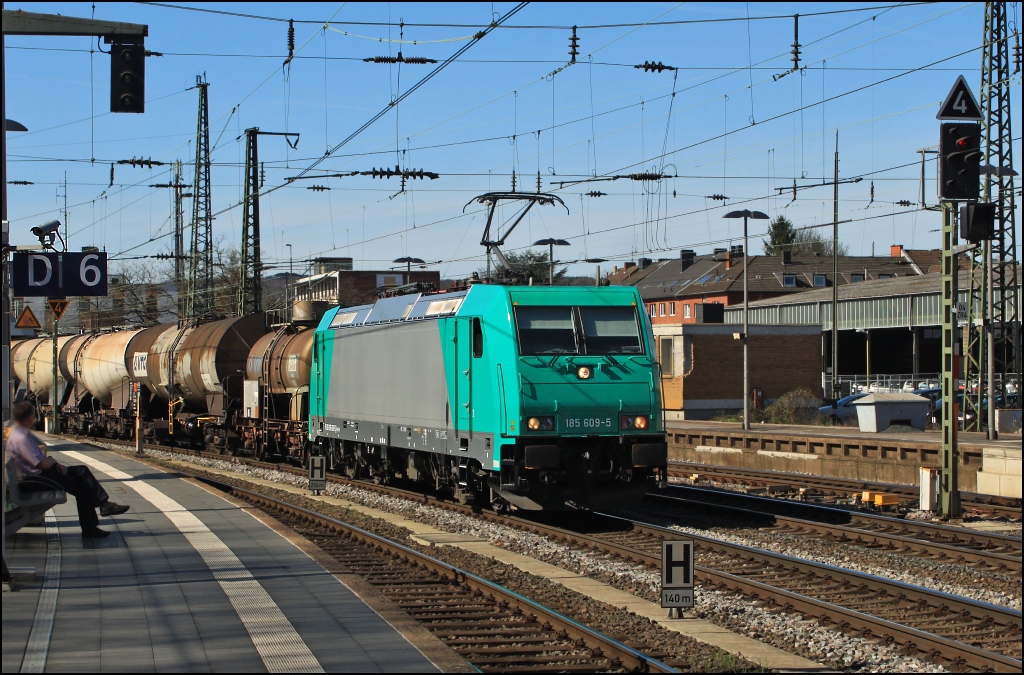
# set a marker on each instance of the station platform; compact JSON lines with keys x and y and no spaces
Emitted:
{"x":986,"y":466}
{"x":187,"y":582}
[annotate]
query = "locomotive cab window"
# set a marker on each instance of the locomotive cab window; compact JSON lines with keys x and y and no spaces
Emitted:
{"x":546,"y":330}
{"x":478,"y":339}
{"x":578,"y":330}
{"x":610,"y":330}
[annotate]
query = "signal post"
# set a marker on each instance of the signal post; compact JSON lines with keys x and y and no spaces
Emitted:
{"x":958,"y":182}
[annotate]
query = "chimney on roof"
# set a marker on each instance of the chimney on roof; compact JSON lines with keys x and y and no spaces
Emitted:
{"x":686,"y":257}
{"x":896,"y":251}
{"x":728,"y":260}
{"x":719,"y":254}
{"x":787,"y":257}
{"x":628,"y":266}
{"x":644,"y":263}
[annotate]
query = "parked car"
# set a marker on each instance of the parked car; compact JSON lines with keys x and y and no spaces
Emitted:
{"x":843,"y":413}
{"x":1012,"y":402}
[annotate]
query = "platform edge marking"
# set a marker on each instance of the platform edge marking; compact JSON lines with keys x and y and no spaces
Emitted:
{"x":38,"y":646}
{"x":279,"y":645}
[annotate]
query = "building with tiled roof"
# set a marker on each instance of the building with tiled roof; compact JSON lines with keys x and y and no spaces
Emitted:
{"x":675,"y":289}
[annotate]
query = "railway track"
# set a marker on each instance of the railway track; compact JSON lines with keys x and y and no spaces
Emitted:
{"x":933,"y":541}
{"x":493,"y":628}
{"x":955,"y":632}
{"x":838,"y":487}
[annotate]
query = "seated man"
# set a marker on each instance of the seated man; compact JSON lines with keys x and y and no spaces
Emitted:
{"x":29,"y":460}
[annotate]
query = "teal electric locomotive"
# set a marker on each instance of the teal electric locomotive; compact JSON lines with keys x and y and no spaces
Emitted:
{"x":526,"y":397}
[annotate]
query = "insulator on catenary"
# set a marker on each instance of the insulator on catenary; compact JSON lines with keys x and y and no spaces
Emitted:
{"x":141,"y":162}
{"x":652,"y":66}
{"x":717,"y":197}
{"x":291,"y":37}
{"x":402,"y":173}
{"x":596,"y":193}
{"x":574,"y":46}
{"x":904,"y":202}
{"x":318,"y":188}
{"x":646,"y":176}
{"x":400,"y":59}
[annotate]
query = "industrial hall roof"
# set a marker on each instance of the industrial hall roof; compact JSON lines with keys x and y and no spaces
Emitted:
{"x":722,"y":273}
{"x":903,"y":301}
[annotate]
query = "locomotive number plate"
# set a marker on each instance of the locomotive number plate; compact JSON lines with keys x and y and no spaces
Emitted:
{"x":588,"y":423}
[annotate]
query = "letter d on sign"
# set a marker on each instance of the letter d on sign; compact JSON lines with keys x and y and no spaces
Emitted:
{"x":33,"y":269}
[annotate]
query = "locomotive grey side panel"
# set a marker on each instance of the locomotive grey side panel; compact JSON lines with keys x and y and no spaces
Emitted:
{"x":390,"y":374}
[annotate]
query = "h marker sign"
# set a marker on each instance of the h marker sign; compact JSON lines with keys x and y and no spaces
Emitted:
{"x":677,"y":574}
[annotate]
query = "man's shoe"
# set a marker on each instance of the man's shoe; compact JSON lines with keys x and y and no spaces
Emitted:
{"x":95,"y":533}
{"x":112,"y":509}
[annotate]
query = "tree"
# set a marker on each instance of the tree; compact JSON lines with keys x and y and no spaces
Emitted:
{"x":781,"y":234}
{"x":812,"y":242}
{"x":524,"y":265}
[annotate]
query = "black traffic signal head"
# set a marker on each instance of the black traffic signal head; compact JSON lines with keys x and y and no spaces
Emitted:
{"x":959,"y":161}
{"x":127,"y":78}
{"x":977,"y":222}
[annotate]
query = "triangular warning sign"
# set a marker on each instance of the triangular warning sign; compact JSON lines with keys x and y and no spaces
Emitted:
{"x":57,"y":307}
{"x":960,"y":103}
{"x":28,"y":319}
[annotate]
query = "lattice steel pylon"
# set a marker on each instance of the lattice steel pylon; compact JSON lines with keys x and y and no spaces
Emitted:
{"x":250,"y":287}
{"x":994,"y":354}
{"x":250,"y":295}
{"x":200,"y":278}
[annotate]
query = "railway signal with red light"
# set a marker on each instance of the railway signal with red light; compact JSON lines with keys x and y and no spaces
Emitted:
{"x":959,"y":161}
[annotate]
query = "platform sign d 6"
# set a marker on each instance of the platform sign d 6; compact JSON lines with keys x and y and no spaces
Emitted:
{"x":677,"y":574}
{"x":58,"y":275}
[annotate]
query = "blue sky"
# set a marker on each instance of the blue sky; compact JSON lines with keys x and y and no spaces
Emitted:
{"x":599,"y":116}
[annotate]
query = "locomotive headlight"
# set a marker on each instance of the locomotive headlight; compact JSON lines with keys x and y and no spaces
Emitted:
{"x":533,"y":423}
{"x":634,"y":422}
{"x":584,"y":372}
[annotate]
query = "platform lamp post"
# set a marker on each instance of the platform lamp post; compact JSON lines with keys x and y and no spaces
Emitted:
{"x":746,"y":214}
{"x":551,"y":244}
{"x":5,"y":315}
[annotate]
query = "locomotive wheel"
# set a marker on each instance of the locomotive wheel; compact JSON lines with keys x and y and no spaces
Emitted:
{"x":500,"y":506}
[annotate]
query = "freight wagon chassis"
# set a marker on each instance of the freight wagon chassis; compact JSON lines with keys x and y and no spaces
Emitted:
{"x":270,"y":439}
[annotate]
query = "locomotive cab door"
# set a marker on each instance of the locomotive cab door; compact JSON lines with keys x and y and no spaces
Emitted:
{"x":462,"y":415}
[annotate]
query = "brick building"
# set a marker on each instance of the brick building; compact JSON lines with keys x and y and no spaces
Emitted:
{"x":354,"y":287}
{"x":702,"y":366}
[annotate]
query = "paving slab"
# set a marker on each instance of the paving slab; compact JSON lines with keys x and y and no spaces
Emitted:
{"x":186,"y":582}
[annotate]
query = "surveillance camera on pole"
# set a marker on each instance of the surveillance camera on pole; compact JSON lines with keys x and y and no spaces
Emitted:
{"x":48,"y":233}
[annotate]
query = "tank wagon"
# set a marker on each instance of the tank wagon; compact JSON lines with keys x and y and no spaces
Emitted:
{"x":526,"y":397}
{"x":189,"y":379}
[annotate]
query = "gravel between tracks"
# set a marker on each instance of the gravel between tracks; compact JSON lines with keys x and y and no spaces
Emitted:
{"x":805,"y":638}
{"x":1000,"y":588}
